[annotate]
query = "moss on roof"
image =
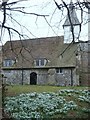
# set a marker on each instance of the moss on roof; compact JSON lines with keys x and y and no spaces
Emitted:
{"x":26,"y":51}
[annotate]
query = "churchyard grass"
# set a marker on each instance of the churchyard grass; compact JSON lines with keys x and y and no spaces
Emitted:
{"x":17,"y":89}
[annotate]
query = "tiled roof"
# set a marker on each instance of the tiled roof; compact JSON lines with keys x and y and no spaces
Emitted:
{"x":50,"y":48}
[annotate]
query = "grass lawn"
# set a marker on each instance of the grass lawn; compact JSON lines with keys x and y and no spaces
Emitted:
{"x":18,"y":89}
{"x":43,"y":94}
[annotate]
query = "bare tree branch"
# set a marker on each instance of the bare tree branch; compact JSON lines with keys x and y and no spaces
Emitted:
{"x":26,"y":12}
{"x":9,"y":6}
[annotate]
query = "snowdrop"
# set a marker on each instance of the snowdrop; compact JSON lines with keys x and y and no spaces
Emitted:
{"x":39,"y":105}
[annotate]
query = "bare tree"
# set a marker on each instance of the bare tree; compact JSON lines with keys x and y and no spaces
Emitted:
{"x":6,"y":9}
{"x":9,"y":7}
{"x":83,"y":8}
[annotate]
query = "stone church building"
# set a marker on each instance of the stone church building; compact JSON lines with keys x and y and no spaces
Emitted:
{"x":59,"y":60}
{"x":45,"y":61}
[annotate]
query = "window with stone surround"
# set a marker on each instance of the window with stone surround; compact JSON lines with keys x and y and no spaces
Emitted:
{"x":8,"y":62}
{"x":59,"y":70}
{"x":40,"y":62}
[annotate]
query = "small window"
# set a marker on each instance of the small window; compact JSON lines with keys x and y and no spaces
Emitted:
{"x":59,"y":70}
{"x":8,"y":63}
{"x":40,"y":62}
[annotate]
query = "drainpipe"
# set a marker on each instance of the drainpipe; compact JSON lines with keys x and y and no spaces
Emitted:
{"x":89,"y":44}
{"x":22,"y":76}
{"x":71,"y":77}
{"x":22,"y":72}
{"x":89,"y":22}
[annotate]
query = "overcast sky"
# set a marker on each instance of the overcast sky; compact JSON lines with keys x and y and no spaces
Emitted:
{"x":38,"y":26}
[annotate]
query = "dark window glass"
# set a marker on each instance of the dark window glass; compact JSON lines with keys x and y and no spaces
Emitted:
{"x":7,"y":63}
{"x":42,"y":62}
{"x":37,"y":62}
{"x":59,"y":70}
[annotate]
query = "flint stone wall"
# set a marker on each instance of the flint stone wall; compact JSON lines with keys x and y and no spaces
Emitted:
{"x":44,"y":77}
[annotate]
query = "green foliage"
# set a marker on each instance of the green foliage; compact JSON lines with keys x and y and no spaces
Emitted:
{"x":49,"y":104}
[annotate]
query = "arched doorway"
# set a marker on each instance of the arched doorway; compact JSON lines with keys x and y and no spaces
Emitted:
{"x":33,"y":78}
